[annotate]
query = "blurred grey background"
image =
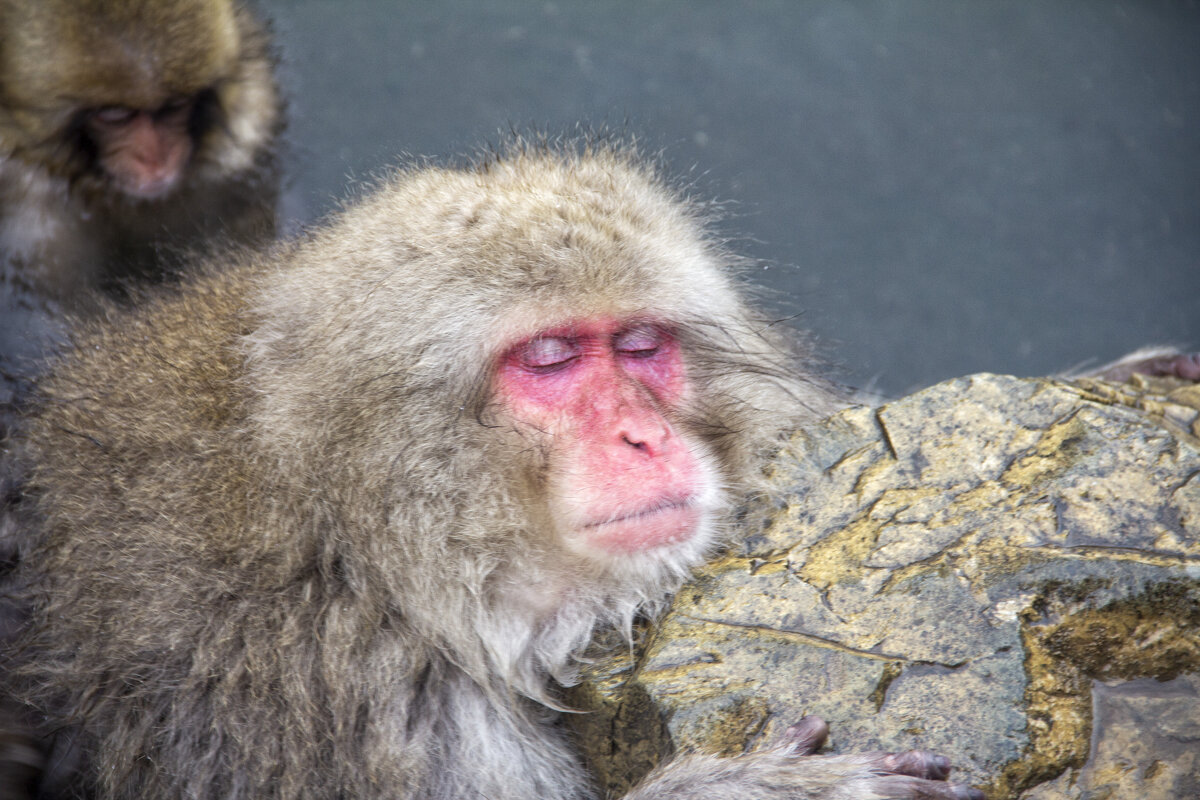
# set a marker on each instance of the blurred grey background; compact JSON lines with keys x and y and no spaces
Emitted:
{"x":937,"y":187}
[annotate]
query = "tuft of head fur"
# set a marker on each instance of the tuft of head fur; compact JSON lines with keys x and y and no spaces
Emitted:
{"x":285,"y":546}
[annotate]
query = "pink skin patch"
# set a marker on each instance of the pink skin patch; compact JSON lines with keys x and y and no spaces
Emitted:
{"x":599,"y":387}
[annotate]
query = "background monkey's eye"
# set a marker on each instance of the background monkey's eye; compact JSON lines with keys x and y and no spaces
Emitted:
{"x":113,"y":115}
{"x":548,"y":354}
{"x":175,"y":108}
{"x":641,"y":341}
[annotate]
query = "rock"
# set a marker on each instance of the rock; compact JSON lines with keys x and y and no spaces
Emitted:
{"x":1004,"y":571}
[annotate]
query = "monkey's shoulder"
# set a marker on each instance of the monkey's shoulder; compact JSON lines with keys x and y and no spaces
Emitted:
{"x":150,"y":376}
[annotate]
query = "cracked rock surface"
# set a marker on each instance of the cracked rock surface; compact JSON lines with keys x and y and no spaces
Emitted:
{"x":1002,"y":570}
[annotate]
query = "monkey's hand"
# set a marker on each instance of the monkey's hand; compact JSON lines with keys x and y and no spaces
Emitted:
{"x":1166,"y":362}
{"x":791,"y":772}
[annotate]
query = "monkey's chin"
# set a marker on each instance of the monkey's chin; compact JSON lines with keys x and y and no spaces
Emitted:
{"x":649,"y":529}
{"x":149,"y":190}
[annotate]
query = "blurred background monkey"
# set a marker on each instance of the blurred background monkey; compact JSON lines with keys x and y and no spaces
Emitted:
{"x":130,"y":131}
{"x":133,"y":135}
{"x":334,"y":520}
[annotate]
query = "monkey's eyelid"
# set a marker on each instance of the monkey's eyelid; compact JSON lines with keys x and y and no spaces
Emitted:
{"x":548,"y":353}
{"x":642,"y":341}
{"x":174,"y":108}
{"x":639,"y":352}
{"x":113,"y":115}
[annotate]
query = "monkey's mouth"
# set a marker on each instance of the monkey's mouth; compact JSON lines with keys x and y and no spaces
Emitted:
{"x":663,"y":522}
{"x":651,"y":510}
{"x":146,"y":189}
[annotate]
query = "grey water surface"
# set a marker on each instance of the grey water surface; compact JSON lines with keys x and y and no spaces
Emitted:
{"x":937,"y":187}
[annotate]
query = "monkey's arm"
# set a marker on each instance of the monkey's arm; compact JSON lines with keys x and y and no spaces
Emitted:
{"x":790,"y":772}
{"x":782,"y":776}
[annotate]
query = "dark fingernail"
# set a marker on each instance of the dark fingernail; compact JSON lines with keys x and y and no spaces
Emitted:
{"x":967,"y":793}
{"x":942,"y":763}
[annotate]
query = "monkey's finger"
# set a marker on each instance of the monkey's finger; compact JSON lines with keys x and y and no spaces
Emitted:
{"x":1153,"y":361}
{"x":919,"y":764}
{"x":897,"y":787}
{"x":1188,"y":367}
{"x":805,"y":737}
{"x":1177,"y":365}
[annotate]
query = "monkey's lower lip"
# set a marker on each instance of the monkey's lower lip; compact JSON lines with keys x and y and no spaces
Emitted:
{"x":644,"y":513}
{"x":663,"y":523}
{"x":149,"y":191}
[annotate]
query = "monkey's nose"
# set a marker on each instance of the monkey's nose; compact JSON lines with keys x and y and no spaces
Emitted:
{"x":644,"y":430}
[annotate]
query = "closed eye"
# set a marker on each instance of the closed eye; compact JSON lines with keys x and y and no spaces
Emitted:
{"x":548,"y":354}
{"x":174,"y":109}
{"x":641,"y":341}
{"x":113,"y":115}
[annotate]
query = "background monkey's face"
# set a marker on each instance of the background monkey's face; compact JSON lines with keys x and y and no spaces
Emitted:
{"x":134,"y":100}
{"x":142,"y":152}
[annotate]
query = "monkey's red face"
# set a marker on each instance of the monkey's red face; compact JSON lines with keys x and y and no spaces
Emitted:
{"x":624,"y":479}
